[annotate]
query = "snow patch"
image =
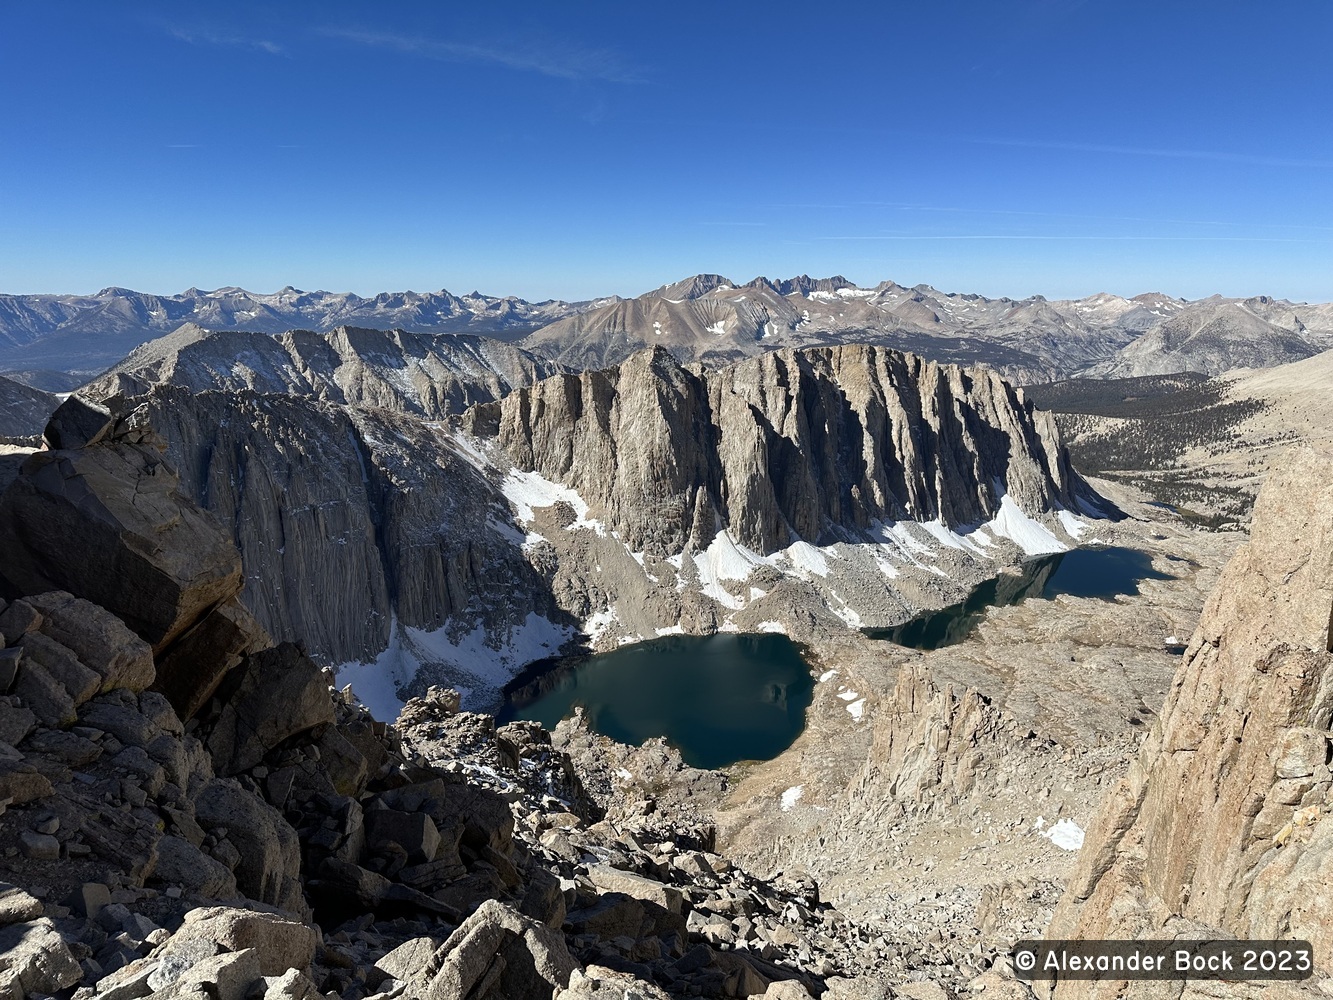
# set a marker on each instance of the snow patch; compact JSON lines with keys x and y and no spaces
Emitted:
{"x":790,"y":797}
{"x":1065,"y":834}
{"x":1029,"y":535}
{"x":1074,"y":528}
{"x":951,"y":539}
{"x":477,"y":662}
{"x":857,"y":709}
{"x":596,"y":626}
{"x":528,"y":490}
{"x":777,"y":627}
{"x":826,"y":675}
{"x":805,"y":556}
{"x":672,"y":630}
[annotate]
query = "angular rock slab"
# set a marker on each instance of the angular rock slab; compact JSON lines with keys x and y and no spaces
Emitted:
{"x":35,"y":959}
{"x":77,"y":423}
{"x":499,"y":953}
{"x":279,"y":943}
{"x":278,"y":694}
{"x":107,"y":523}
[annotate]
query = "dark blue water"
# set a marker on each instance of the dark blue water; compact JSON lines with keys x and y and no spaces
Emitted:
{"x":1104,"y":573}
{"x":718,"y":699}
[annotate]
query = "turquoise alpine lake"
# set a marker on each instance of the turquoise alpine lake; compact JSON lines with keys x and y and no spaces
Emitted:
{"x":1104,"y":572}
{"x":718,"y":699}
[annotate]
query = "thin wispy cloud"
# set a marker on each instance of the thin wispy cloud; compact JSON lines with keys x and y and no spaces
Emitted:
{"x":556,"y":60}
{"x":1215,"y":156}
{"x":208,"y":36}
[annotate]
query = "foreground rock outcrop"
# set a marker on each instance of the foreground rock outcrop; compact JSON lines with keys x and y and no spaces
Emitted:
{"x":110,"y":524}
{"x":1223,"y":824}
{"x":188,"y":809}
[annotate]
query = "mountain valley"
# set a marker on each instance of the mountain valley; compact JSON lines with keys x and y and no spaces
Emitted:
{"x":413,"y":519}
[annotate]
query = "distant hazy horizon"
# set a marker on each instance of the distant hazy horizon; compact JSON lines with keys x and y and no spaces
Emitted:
{"x":575,"y":151}
{"x":460,"y":291}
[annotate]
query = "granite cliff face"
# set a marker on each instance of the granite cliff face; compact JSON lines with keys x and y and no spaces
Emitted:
{"x":359,"y":529}
{"x":203,"y":816}
{"x":1224,"y":820}
{"x":820,"y":445}
{"x":800,"y":491}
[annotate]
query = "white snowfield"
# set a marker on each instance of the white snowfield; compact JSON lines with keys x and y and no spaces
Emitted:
{"x":527,"y":490}
{"x":791,"y":796}
{"x":477,"y":663}
{"x":718,"y":570}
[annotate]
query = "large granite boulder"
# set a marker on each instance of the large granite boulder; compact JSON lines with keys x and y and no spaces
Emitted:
{"x":35,"y":959}
{"x":279,"y":943}
{"x":77,"y":423}
{"x":278,"y":694}
{"x":108,"y":523}
{"x":99,"y":639}
{"x":268,"y":866}
{"x":189,"y":672}
{"x":499,"y":953}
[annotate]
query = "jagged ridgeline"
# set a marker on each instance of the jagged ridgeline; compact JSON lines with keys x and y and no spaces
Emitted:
{"x":820,"y":444}
{"x":455,"y":503}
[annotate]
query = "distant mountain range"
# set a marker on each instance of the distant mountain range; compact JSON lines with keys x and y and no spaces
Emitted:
{"x":92,"y":332}
{"x":708,"y":318}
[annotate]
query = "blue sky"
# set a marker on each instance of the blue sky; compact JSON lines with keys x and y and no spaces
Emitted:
{"x":572,"y":150}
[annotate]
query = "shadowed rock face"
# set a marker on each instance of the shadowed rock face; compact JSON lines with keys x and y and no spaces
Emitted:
{"x":109,"y":522}
{"x":23,"y":409}
{"x":815,"y":444}
{"x":347,"y":518}
{"x":1224,"y":820}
